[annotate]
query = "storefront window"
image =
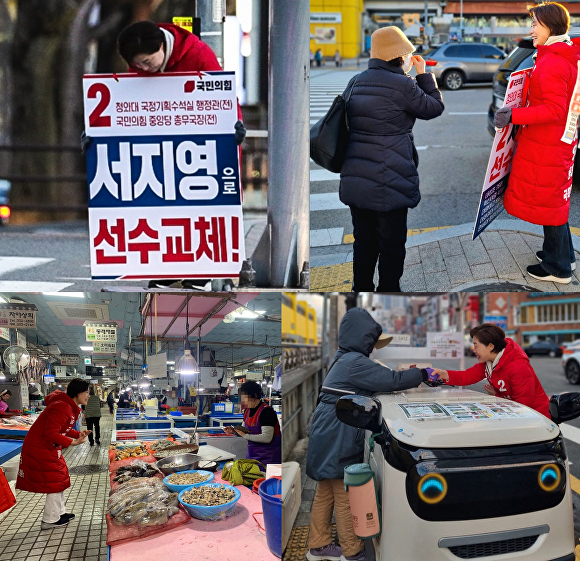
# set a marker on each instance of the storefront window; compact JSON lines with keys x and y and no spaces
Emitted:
{"x":524,"y":314}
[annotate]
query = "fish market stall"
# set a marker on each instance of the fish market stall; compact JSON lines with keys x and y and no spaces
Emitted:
{"x":9,"y":449}
{"x":191,"y":509}
{"x":132,"y":419}
{"x":16,"y":426}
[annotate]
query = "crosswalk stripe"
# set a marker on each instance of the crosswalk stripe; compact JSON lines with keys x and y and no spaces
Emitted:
{"x":10,"y":264}
{"x":325,"y":201}
{"x":570,"y":432}
{"x":326,"y":236}
{"x":322,"y":175}
{"x":32,"y":286}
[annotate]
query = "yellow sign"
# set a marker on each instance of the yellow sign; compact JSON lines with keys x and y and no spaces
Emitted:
{"x":186,"y":23}
{"x":192,"y":391}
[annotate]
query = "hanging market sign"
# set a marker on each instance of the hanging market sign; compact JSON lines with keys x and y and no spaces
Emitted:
{"x":5,"y":333}
{"x":111,"y":371}
{"x":21,"y":339}
{"x":101,"y":347}
{"x":101,"y":331}
{"x":69,"y":360}
{"x":18,"y":316}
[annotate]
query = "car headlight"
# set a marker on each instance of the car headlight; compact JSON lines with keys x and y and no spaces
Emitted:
{"x":432,"y":488}
{"x":549,"y":477}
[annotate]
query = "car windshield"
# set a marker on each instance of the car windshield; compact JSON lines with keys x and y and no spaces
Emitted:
{"x":430,"y":52}
{"x":517,"y":57}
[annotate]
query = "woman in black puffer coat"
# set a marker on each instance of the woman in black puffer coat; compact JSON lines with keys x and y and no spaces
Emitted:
{"x":379,"y":179}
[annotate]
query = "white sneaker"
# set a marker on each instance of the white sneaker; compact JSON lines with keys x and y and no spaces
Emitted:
{"x":572,"y":265}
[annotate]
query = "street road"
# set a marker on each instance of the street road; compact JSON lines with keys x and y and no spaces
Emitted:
{"x":52,"y":258}
{"x":453,"y":155}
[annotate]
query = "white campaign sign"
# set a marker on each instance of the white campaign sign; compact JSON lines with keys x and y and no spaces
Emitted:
{"x":163,"y":175}
{"x":500,"y":160}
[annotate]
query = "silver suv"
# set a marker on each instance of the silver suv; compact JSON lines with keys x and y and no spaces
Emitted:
{"x":458,"y":63}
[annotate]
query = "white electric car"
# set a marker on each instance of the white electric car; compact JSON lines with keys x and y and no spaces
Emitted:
{"x":464,"y":475}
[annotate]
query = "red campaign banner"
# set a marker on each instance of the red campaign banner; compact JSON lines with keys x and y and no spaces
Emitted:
{"x":500,"y":160}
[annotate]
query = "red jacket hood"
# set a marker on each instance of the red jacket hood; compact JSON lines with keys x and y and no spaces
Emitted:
{"x":60,"y":396}
{"x":571,"y":53}
{"x":184,"y":40}
{"x":512,"y":352}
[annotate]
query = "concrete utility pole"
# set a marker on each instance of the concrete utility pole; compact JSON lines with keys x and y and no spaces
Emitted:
{"x":213,"y":15}
{"x":288,"y":140}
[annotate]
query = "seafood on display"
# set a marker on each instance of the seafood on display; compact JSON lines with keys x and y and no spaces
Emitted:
{"x":167,"y":453}
{"x":137,"y":468}
{"x":187,"y":478}
{"x":136,"y":452}
{"x":146,"y":505}
{"x":125,"y":444}
{"x":208,"y":496}
{"x":162,"y":444}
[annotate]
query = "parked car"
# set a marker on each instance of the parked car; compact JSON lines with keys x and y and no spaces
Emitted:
{"x":519,"y":59}
{"x":543,"y":348}
{"x":459,"y":63}
{"x":467,"y":484}
{"x":571,"y":365}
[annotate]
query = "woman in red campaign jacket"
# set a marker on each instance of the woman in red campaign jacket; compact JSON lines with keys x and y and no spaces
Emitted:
{"x":540,"y":181}
{"x":506,"y":367}
{"x":149,"y":47}
{"x":42,"y":468}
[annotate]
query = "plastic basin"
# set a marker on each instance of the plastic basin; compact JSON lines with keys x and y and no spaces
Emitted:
{"x":210,"y":512}
{"x":179,"y":488}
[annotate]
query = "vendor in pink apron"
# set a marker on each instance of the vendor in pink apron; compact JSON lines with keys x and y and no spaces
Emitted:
{"x":261,"y":428}
{"x":4,"y":397}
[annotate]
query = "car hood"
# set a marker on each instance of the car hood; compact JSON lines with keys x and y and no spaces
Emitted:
{"x":451,"y":419}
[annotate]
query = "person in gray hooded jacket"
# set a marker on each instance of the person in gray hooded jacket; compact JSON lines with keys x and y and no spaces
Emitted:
{"x":334,"y":445}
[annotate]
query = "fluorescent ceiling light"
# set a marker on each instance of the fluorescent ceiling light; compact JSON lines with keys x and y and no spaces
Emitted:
{"x":67,"y":294}
{"x":262,"y":360}
{"x":170,"y":362}
{"x":3,"y":299}
{"x":86,"y":348}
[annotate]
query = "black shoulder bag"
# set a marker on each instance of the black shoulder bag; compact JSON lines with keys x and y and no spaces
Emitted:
{"x":329,"y":137}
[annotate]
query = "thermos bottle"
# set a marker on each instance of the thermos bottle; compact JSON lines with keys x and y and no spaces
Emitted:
{"x":359,"y":481}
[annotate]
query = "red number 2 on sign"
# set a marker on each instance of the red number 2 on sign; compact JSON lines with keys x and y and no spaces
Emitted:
{"x":96,"y":118}
{"x":501,"y":143}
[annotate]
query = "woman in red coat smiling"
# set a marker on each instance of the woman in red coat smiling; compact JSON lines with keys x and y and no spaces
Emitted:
{"x":540,"y":181}
{"x":42,"y":468}
{"x":505,"y":365}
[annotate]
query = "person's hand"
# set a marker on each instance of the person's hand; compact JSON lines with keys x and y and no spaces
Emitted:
{"x":489,"y":389}
{"x":240,"y":132}
{"x":85,"y":432}
{"x":229,"y":430}
{"x":503,"y":117}
{"x":442,"y":374}
{"x":79,"y":440}
{"x":419,"y":63}
{"x":240,"y":432}
{"x":85,"y":142}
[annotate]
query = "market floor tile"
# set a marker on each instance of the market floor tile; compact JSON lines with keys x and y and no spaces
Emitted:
{"x":85,"y":536}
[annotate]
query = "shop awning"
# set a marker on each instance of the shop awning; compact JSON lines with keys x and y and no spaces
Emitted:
{"x":499,"y":8}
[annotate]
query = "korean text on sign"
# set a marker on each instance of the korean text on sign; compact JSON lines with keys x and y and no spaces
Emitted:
{"x":163,"y":176}
{"x":500,"y":161}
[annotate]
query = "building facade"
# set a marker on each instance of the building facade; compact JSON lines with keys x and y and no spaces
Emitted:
{"x":536,"y":316}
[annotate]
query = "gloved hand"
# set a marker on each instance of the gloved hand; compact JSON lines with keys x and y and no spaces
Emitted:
{"x":85,"y":142}
{"x":428,"y":375}
{"x":502,"y":117}
{"x":240,"y":132}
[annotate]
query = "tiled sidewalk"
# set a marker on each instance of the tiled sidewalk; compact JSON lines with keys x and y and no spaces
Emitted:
{"x":83,"y":538}
{"x":447,"y":259}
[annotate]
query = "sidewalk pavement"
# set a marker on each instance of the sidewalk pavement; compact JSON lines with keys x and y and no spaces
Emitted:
{"x":447,"y":259}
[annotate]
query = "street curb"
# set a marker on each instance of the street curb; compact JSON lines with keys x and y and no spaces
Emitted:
{"x":467,"y":229}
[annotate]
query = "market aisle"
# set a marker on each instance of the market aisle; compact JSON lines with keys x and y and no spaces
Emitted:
{"x":85,"y":537}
